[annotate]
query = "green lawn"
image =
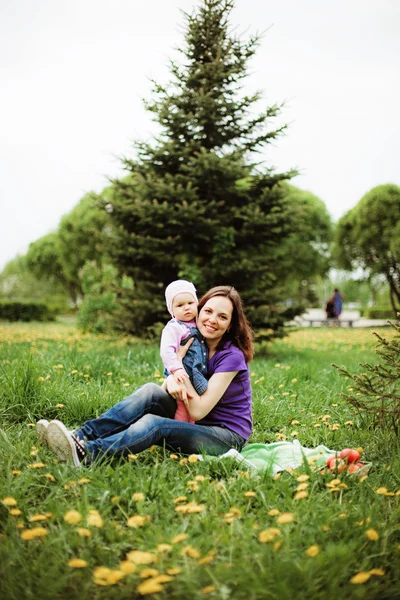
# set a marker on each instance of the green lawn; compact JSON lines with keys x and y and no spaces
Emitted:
{"x":200,"y":529}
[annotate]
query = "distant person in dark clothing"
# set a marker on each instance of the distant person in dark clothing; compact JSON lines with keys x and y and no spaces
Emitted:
{"x":330,"y":310}
{"x":334,"y":305}
{"x":337,"y":300}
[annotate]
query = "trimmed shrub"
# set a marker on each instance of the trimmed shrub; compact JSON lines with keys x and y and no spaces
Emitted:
{"x":379,"y":312}
{"x":12,"y":310}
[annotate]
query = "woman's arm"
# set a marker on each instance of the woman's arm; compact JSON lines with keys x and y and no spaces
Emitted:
{"x":199,"y":406}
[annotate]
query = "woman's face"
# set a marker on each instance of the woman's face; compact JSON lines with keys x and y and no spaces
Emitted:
{"x":215,"y":318}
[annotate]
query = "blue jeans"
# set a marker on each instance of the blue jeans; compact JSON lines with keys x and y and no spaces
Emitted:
{"x":146,"y":418}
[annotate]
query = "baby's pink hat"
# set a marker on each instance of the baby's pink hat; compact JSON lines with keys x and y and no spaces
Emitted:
{"x":180,"y":286}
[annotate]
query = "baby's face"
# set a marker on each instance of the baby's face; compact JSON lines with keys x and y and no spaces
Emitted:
{"x":184,"y":307}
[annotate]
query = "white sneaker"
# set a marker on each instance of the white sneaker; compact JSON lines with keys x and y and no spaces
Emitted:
{"x":66,"y":446}
{"x":41,"y":431}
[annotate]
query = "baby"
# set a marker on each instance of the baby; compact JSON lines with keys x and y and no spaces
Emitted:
{"x":182,"y":303}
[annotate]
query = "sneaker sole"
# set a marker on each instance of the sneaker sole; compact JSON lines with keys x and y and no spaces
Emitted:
{"x":60,"y":442}
{"x":41,"y":431}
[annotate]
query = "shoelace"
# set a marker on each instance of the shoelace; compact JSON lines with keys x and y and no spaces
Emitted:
{"x":80,"y":448}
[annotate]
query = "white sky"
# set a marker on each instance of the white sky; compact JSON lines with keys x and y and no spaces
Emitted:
{"x":73,"y":72}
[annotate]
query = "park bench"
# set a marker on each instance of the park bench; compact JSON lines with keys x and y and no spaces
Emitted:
{"x":319,"y":317}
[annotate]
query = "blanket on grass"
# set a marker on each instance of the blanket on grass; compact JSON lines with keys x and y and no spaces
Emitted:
{"x":278,"y":456}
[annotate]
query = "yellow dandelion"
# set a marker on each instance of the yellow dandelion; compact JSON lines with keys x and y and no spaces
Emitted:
{"x":302,"y":486}
{"x":83,"y":532}
{"x":137,"y":497}
{"x":148,"y":572}
{"x":208,"y":589}
{"x":378,"y":572}
{"x":193,"y":458}
{"x":207,"y":559}
{"x":38,"y":517}
{"x":136,"y":521}
{"x":72,"y":517}
{"x":302,"y":478}
{"x":268,"y":535}
{"x":60,"y":405}
{"x":381,"y":491}
{"x":285,"y":517}
{"x":180,"y":537}
{"x":193,"y":486}
{"x":277,"y":545}
{"x":250,"y":494}
{"x":361,"y":577}
{"x":15,"y":512}
{"x":9,"y":501}
{"x":200,"y":478}
{"x":161,"y":548}
{"x":180,"y":499}
{"x":183,"y":462}
{"x":94,"y":519}
{"x":37,"y":465}
{"x":104,"y":576}
{"x":16,"y":472}
{"x":132,"y":456}
{"x":190,"y":551}
{"x":77,"y":563}
{"x":35,"y":532}
{"x":174,"y":571}
{"x":127,"y":567}
{"x":313,"y":550}
{"x":140,"y":557}
{"x":301,"y":495}
{"x":49,"y":476}
{"x":191,"y":508}
{"x":83,"y":480}
{"x":273,"y":512}
{"x":149,"y":587}
{"x":173,"y":456}
{"x":372,"y":535}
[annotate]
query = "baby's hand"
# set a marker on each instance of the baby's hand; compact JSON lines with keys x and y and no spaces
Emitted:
{"x":180,"y":375}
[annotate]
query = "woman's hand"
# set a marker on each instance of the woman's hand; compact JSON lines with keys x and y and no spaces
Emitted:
{"x":182,"y":350}
{"x":176,"y":390}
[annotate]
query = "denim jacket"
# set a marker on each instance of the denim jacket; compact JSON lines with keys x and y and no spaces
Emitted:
{"x":196,"y":360}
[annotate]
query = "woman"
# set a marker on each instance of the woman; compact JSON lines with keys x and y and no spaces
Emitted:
{"x":223,"y":413}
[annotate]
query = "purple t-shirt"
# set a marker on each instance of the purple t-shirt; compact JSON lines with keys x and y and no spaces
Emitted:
{"x":233,"y":410}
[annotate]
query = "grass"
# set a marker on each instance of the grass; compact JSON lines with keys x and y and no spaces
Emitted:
{"x":222,"y":549}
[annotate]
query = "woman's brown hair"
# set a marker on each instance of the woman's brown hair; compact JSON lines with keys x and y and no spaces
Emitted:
{"x":240,"y":332}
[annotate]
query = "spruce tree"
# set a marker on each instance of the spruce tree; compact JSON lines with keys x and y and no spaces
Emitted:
{"x":196,"y":204}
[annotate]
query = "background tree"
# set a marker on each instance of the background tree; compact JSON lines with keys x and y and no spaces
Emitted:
{"x":59,"y":256}
{"x":18,"y":283}
{"x":304,"y":255}
{"x":81,"y":237}
{"x":368,"y":237}
{"x":44,"y":261}
{"x":198,"y":205}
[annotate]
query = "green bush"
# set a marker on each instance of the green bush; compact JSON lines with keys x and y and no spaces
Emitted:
{"x":378,"y":312}
{"x":13,"y":310}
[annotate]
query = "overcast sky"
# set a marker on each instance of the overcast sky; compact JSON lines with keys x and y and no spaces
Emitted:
{"x":73,"y":73}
